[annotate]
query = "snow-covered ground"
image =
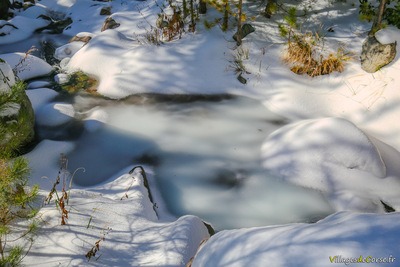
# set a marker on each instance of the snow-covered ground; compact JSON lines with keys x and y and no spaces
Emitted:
{"x":341,"y":142}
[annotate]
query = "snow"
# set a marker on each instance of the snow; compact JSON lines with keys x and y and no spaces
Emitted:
{"x":336,"y":157}
{"x":342,"y":235}
{"x":27,"y":66}
{"x":7,"y":77}
{"x":146,"y":70}
{"x":388,"y":35}
{"x":19,"y":28}
{"x":132,"y":233}
{"x":338,"y":154}
{"x":54,"y":114}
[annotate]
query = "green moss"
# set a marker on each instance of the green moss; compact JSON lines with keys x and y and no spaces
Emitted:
{"x":80,"y":81}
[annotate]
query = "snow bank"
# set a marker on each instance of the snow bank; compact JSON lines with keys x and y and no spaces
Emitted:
{"x":125,"y":68}
{"x":27,"y":66}
{"x":339,"y":237}
{"x":121,"y":213}
{"x":39,"y":97}
{"x":334,"y":156}
{"x":19,"y":28}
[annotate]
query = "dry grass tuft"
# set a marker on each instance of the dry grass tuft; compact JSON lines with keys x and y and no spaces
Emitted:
{"x":304,"y":55}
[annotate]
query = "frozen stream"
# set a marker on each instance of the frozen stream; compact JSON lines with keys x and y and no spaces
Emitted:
{"x":205,"y":152}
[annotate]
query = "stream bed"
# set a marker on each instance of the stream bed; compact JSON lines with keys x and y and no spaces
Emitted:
{"x":204,"y":150}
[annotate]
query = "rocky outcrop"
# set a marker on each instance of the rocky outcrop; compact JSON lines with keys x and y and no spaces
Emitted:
{"x":16,"y":113}
{"x":375,"y":55}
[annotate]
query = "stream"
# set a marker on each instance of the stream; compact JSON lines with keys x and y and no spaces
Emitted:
{"x":204,"y":150}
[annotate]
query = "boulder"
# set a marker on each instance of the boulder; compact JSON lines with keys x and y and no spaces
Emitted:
{"x":109,"y":23}
{"x":375,"y":55}
{"x":55,"y":26}
{"x":16,"y":113}
{"x":105,"y":11}
{"x":246,"y":30}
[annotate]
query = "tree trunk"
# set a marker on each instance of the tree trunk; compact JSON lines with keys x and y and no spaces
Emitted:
{"x":239,"y":26}
{"x":202,"y":7}
{"x":192,"y":26}
{"x":4,"y":6}
{"x":184,"y":7}
{"x":226,"y":15}
{"x":378,"y":21}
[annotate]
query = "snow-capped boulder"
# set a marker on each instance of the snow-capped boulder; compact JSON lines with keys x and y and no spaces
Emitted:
{"x":332,"y":155}
{"x":375,"y":55}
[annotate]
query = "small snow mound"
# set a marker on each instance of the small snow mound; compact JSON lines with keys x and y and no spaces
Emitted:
{"x":54,"y":114}
{"x":19,"y":28}
{"x":388,"y":35}
{"x":61,"y":78}
{"x":39,"y":84}
{"x":68,"y":50}
{"x":304,"y":152}
{"x":27,"y":66}
{"x":7,"y":78}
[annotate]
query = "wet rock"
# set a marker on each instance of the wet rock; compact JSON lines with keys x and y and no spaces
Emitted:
{"x":375,"y":55}
{"x":230,"y":178}
{"x":109,"y":23}
{"x":48,"y":48}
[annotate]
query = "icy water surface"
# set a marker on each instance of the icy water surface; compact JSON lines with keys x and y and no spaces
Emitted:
{"x":205,"y":152}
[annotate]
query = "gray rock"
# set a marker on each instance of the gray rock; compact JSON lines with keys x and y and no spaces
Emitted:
{"x":375,"y":55}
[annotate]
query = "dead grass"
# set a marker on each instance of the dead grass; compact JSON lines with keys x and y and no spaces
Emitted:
{"x":306,"y":55}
